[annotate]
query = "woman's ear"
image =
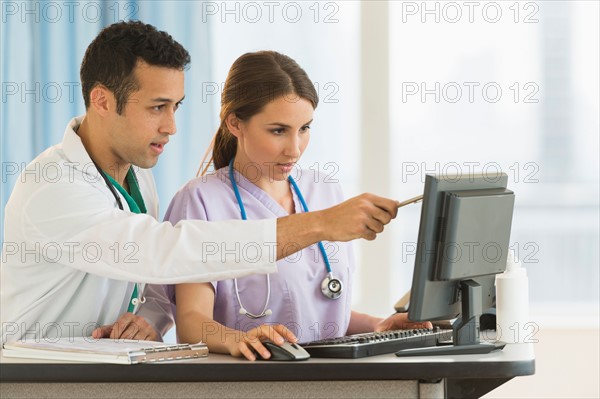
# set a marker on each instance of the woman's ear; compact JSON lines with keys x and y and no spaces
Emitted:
{"x":234,"y":125}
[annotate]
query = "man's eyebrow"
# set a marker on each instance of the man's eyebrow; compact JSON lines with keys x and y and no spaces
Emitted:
{"x":165,"y":100}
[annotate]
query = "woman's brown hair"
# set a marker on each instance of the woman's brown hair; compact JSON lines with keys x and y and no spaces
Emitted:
{"x":254,"y":80}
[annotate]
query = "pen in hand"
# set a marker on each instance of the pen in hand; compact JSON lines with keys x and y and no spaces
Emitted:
{"x":413,"y":200}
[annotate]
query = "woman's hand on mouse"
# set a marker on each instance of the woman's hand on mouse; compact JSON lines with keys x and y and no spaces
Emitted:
{"x":250,"y":343}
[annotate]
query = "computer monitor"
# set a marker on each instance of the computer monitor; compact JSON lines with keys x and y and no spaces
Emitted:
{"x":463,"y":243}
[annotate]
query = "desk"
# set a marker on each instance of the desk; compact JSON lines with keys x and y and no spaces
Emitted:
{"x":223,"y":376}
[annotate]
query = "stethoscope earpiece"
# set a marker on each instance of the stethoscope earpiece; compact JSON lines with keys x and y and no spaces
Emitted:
{"x":137,"y":301}
{"x":244,"y":312}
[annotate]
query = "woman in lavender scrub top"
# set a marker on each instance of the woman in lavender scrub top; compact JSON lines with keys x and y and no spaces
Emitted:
{"x":267,"y":108}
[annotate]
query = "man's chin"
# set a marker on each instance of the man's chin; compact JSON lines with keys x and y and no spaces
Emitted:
{"x":146,"y":164}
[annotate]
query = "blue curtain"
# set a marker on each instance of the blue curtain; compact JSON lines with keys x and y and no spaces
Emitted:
{"x":42,"y":45}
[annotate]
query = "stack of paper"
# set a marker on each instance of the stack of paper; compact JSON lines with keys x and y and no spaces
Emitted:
{"x":87,"y":349}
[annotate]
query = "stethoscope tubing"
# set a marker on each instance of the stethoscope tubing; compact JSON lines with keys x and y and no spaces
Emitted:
{"x":329,"y":277}
{"x":141,"y":298}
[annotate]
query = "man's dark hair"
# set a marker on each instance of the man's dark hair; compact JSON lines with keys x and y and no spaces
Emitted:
{"x":110,"y":59}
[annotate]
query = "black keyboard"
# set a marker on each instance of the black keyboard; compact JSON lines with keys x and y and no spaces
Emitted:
{"x":371,"y":344}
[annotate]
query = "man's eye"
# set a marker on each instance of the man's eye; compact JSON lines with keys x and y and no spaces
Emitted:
{"x":158,"y":107}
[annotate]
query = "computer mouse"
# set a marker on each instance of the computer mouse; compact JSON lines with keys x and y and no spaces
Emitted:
{"x":287,"y":351}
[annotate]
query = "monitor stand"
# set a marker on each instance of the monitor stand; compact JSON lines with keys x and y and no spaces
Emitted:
{"x":465,"y":330}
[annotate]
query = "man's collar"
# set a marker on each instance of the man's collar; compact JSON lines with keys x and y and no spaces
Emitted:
{"x":76,"y":152}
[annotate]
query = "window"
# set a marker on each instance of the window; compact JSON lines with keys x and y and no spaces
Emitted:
{"x":510,"y":86}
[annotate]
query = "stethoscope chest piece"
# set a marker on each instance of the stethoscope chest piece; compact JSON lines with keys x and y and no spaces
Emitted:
{"x":331,"y":287}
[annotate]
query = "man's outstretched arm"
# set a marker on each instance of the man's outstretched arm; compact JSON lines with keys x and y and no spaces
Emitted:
{"x":363,"y":216}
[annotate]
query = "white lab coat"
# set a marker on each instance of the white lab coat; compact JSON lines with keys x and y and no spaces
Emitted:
{"x":70,"y":256}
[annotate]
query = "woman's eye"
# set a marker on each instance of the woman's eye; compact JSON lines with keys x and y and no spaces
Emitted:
{"x":305,"y":128}
{"x":277,"y":131}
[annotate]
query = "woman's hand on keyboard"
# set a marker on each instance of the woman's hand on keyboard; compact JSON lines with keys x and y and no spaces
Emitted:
{"x":399,"y":321}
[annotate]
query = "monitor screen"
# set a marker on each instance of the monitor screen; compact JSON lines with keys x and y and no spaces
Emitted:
{"x":463,"y":243}
{"x":464,"y":234}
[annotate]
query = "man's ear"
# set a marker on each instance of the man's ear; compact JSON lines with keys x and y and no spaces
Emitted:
{"x":234,"y":124}
{"x":102,"y":100}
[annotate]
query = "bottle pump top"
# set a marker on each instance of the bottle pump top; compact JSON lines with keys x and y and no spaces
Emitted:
{"x":514,"y":266}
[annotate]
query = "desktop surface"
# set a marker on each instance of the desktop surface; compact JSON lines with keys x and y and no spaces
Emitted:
{"x":218,"y":376}
{"x":513,"y":360}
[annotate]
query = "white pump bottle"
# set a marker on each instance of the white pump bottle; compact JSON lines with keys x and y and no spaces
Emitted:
{"x":512,"y":303}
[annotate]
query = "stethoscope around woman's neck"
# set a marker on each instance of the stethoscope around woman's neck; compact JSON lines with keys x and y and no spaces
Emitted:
{"x":330,"y":287}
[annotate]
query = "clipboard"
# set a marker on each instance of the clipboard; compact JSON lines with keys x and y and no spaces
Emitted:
{"x":105,"y":350}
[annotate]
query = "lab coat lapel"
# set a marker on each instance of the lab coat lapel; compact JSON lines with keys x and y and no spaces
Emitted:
{"x":76,"y":153}
{"x":81,"y":162}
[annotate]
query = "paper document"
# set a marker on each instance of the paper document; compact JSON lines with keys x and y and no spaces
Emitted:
{"x":87,"y":349}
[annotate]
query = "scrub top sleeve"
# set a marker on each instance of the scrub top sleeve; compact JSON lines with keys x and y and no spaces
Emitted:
{"x":158,"y":309}
{"x":186,"y":204}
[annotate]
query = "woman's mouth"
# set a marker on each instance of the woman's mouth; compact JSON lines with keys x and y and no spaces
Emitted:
{"x":286,"y":167}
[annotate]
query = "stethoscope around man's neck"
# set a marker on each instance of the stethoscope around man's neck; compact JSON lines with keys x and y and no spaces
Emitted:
{"x":136,"y":297}
{"x":330,"y":287}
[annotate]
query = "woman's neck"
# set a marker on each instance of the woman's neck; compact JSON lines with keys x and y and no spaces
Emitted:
{"x":279,"y":190}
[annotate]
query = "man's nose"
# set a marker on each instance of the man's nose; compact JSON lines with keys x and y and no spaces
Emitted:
{"x":168,"y":125}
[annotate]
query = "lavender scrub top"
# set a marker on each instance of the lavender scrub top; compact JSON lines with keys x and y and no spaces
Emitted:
{"x":296,"y":298}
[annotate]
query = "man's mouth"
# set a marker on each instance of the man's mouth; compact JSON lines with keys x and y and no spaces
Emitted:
{"x":158,"y":147}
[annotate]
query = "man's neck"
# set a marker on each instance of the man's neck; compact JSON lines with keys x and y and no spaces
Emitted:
{"x":102,"y":155}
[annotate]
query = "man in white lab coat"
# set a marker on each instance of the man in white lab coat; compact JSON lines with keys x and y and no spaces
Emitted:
{"x":81,"y":234}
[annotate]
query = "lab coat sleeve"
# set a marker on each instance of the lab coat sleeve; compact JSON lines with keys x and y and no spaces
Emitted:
{"x":93,"y":236}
